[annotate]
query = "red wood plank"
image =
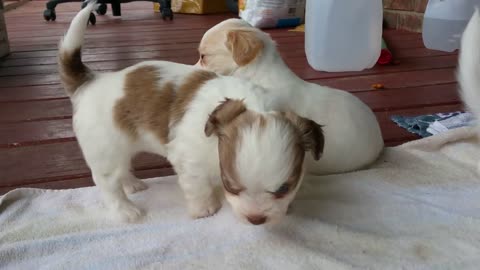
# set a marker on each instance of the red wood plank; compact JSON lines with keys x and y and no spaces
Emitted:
{"x":392,"y":80}
{"x":87,"y":181}
{"x":37,"y":92}
{"x":20,"y":134}
{"x":159,"y":50}
{"x":302,"y":69}
{"x":51,"y":162}
{"x":418,"y":97}
{"x":378,"y":100}
{"x":357,"y":83}
{"x":35,"y":110}
{"x":298,"y":65}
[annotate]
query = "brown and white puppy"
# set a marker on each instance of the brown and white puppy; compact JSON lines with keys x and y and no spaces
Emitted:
{"x":352,"y":133}
{"x":215,"y":130}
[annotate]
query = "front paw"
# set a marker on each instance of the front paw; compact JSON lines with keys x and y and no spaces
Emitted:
{"x":127,"y":212}
{"x":134,"y":185}
{"x":204,"y":208}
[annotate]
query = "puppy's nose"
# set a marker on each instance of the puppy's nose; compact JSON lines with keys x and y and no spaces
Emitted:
{"x":257,"y":220}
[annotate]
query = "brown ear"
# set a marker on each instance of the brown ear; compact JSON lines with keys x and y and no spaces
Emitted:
{"x":244,"y":45}
{"x":224,"y":114}
{"x":311,"y":133}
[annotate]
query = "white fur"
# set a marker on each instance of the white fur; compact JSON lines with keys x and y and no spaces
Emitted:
{"x":353,"y":137}
{"x":74,"y":37}
{"x":264,"y":158}
{"x":469,"y":67}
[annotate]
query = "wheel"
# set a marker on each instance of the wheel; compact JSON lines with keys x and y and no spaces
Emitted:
{"x":49,"y":15}
{"x":102,"y":9}
{"x":92,"y":19}
{"x":167,"y":13}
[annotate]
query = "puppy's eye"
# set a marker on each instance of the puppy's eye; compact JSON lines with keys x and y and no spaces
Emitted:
{"x":282,"y":190}
{"x":202,"y":56}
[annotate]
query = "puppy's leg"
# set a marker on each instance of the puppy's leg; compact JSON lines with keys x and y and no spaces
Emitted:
{"x":199,"y":193}
{"x":110,"y":184}
{"x":132,"y":184}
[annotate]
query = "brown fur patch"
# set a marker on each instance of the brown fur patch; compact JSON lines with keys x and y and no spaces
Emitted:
{"x":223,"y":115}
{"x":154,"y":105}
{"x":244,"y":45}
{"x":221,"y":124}
{"x":311,"y":133}
{"x":146,"y":104}
{"x":187,"y":90}
{"x":73,"y":72}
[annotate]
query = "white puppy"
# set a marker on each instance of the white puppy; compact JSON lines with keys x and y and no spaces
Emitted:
{"x":352,"y":133}
{"x":214,"y":130}
{"x":469,"y":67}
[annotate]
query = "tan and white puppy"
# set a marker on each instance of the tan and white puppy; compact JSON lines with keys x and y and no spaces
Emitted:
{"x":215,"y":130}
{"x":352,"y":133}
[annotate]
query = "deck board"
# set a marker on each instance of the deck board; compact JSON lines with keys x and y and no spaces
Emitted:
{"x":37,"y":145}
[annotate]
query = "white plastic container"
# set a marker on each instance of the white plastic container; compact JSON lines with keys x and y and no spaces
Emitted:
{"x":343,"y":35}
{"x":444,"y":22}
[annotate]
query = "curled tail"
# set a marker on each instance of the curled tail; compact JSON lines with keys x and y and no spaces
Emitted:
{"x":73,"y":72}
{"x":469,"y":65}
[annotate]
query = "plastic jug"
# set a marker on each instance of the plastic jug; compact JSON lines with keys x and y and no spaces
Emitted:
{"x":444,"y":22}
{"x":343,"y":35}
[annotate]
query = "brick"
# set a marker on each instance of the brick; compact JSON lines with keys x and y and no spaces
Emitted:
{"x":390,"y":18}
{"x":400,"y":4}
{"x":421,"y":6}
{"x":410,"y":21}
{"x":404,"y":20}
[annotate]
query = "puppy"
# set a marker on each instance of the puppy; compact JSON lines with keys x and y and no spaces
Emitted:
{"x":469,"y":68}
{"x":215,"y":130}
{"x":353,"y":135}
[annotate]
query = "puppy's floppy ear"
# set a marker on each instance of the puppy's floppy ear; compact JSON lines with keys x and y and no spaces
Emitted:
{"x":245,"y":45}
{"x":224,"y":114}
{"x":311,"y":133}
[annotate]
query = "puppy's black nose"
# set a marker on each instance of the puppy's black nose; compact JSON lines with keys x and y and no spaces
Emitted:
{"x":257,"y":220}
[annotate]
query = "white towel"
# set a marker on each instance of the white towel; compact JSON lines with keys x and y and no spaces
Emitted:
{"x":460,"y":120}
{"x":417,"y":208}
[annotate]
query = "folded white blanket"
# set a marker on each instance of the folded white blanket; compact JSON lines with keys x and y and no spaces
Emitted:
{"x":417,"y":208}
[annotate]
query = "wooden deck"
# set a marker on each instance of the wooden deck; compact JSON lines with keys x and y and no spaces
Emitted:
{"x":38,"y":148}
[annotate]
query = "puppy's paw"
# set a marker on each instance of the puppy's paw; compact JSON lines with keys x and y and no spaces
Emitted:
{"x":134,"y":185}
{"x":206,"y":208}
{"x":128,"y":212}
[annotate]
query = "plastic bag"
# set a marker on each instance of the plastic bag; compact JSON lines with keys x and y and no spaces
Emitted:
{"x":272,"y":13}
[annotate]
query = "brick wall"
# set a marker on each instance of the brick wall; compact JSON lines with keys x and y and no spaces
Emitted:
{"x":404,"y":14}
{"x":4,"y":48}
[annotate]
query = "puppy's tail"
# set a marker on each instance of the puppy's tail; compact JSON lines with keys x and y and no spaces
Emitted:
{"x":469,"y":65}
{"x":73,"y":72}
